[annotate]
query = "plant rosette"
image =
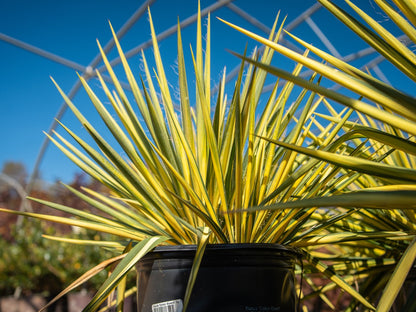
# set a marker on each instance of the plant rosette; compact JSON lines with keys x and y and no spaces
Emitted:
{"x":209,"y":173}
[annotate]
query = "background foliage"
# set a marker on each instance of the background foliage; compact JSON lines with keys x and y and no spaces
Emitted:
{"x":29,"y":263}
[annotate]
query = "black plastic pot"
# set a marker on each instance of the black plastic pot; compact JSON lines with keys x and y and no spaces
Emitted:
{"x":231,"y":278}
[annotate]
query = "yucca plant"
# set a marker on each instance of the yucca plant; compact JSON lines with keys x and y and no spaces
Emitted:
{"x":383,"y":138}
{"x":187,"y":173}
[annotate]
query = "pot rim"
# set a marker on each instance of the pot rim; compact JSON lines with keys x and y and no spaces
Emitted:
{"x":231,"y":246}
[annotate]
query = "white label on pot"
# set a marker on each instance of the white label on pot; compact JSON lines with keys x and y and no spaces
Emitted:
{"x":168,"y":306}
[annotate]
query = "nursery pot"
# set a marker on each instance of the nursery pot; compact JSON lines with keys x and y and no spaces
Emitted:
{"x":231,"y":278}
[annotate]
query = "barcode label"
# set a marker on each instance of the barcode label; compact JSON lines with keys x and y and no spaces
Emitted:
{"x":168,"y":306}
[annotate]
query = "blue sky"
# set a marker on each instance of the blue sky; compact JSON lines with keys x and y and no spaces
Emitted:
{"x":28,"y":99}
